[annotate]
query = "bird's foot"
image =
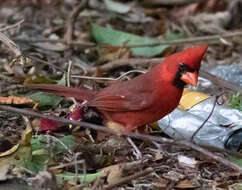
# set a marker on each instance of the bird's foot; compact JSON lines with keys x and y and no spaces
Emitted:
{"x":136,"y":152}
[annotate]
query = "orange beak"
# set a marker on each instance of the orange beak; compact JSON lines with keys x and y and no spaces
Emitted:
{"x":190,"y":78}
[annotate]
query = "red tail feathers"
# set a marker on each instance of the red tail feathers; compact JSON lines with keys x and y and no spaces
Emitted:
{"x":81,"y":93}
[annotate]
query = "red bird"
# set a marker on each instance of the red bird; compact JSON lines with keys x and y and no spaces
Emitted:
{"x":144,"y":99}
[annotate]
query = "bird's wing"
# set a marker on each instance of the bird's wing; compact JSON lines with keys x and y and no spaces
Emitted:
{"x":124,"y":97}
{"x":121,"y":102}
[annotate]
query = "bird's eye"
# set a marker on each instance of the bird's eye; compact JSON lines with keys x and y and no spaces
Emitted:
{"x":181,"y":66}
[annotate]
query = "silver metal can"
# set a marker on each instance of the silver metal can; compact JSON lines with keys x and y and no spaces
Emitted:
{"x":222,"y":131}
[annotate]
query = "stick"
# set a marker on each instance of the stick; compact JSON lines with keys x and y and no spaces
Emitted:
{"x":134,"y":135}
{"x":129,"y":178}
{"x":198,"y":39}
{"x":72,"y":19}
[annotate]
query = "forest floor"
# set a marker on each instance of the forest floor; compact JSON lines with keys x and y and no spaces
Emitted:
{"x":92,"y":44}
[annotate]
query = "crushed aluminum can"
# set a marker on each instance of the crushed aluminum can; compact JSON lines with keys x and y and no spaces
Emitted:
{"x":231,"y":73}
{"x":223,"y":130}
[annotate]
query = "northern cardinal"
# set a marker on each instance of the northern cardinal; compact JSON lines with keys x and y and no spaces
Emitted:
{"x":144,"y":99}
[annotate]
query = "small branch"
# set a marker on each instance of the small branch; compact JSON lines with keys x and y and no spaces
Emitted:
{"x":200,"y":39}
{"x":211,"y":155}
{"x":122,"y":62}
{"x":108,"y":78}
{"x":221,"y":82}
{"x":127,"y":179}
{"x":205,"y":121}
{"x":45,"y":62}
{"x":169,"y":2}
{"x":137,"y":61}
{"x":77,"y":43}
{"x":12,"y":26}
{"x":12,"y":46}
{"x":133,"y":135}
{"x":72,"y":19}
{"x":66,"y":165}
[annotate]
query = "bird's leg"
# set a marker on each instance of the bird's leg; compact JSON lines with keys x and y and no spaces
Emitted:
{"x":119,"y":128}
{"x":137,"y":152}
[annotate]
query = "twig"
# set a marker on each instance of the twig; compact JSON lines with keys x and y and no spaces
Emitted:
{"x":134,"y":135}
{"x":12,"y":26}
{"x":137,"y":61}
{"x":188,"y":40}
{"x":210,"y":155}
{"x":66,"y":165}
{"x":76,"y":167}
{"x":137,"y":152}
{"x":107,"y":78}
{"x":45,"y":62}
{"x":169,"y":2}
{"x":77,"y":43}
{"x":132,"y":71}
{"x":68,"y":80}
{"x":71,"y":21}
{"x":205,"y":121}
{"x":221,"y":82}
{"x":122,"y":62}
{"x":125,"y":180}
{"x":199,"y":39}
{"x":12,"y":46}
{"x":69,"y":73}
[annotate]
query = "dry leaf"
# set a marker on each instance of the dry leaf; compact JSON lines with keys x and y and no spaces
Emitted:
{"x":17,"y":155}
{"x":186,"y":161}
{"x":3,"y":172}
{"x":158,"y":156}
{"x":114,"y":173}
{"x":173,"y":176}
{"x":16,"y":100}
{"x":186,"y":184}
{"x":162,"y":183}
{"x":113,"y":53}
{"x":10,"y":151}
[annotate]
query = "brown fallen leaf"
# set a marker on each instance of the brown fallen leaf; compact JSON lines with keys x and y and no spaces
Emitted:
{"x":161,"y":183}
{"x":114,"y":173}
{"x":187,"y":184}
{"x":173,"y":176}
{"x":18,"y":155}
{"x":113,"y":53}
{"x":16,"y":100}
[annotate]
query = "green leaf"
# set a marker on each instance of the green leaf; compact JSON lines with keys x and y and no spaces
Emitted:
{"x":37,"y":143}
{"x":71,"y":177}
{"x":39,"y":161}
{"x":62,"y":81}
{"x":117,"y":7}
{"x":236,"y":186}
{"x":235,"y":160}
{"x":46,"y":99}
{"x":235,"y":101}
{"x":40,"y":155}
{"x":43,"y":155}
{"x":69,"y":143}
{"x":112,"y":37}
{"x":61,"y":146}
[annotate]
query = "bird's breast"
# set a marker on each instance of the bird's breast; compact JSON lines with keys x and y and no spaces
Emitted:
{"x":163,"y":100}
